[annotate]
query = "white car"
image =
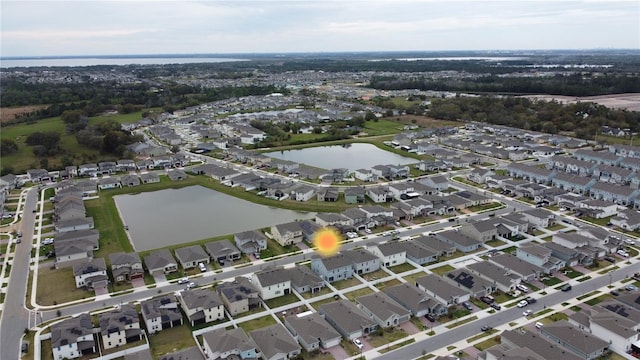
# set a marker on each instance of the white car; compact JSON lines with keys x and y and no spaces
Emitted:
{"x":629,"y":241}
{"x":47,"y":241}
{"x":526,"y":313}
{"x":522,"y":288}
{"x":367,"y":230}
{"x":523,"y":303}
{"x":202,"y":267}
{"x":358,"y":343}
{"x":622,"y":253}
{"x":183,"y":280}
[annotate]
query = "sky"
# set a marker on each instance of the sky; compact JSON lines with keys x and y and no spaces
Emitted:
{"x":91,"y":27}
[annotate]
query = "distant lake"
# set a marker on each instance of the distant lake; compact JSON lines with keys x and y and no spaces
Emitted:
{"x":175,"y":216}
{"x":352,"y":157}
{"x":116,"y":61}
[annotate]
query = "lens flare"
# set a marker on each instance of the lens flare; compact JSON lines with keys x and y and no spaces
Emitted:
{"x":327,"y":241}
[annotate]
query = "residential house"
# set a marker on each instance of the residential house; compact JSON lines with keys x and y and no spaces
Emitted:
{"x":287,"y":234}
{"x":272,"y":283}
{"x":583,"y":344}
{"x":524,"y":270}
{"x":479,"y":175}
{"x":347,"y":319}
{"x":475,"y":284}
{"x":355,"y":195}
{"x":130,"y":180}
{"x":222,"y":250}
{"x":438,"y":182}
{"x":574,"y":183}
{"x":302,"y":192}
{"x":482,"y":231}
{"x":383,"y":309}
{"x":438,"y":246}
{"x":107,"y":167}
{"x":72,"y":338}
{"x":177,"y":175}
{"x":328,"y":194}
{"x":461,"y":241}
{"x":365,"y":175}
{"x":275,"y":343}
{"x":627,"y":220}
{"x":303,"y":279}
{"x":500,"y":279}
{"x":70,"y":251}
{"x":539,"y":218}
{"x":332,"y":268}
{"x":541,"y":256}
{"x":250,"y":242}
{"x":622,"y":195}
{"x":190,"y":256}
{"x":126,"y":266}
{"x":442,"y":290}
{"x":621,"y":333}
{"x":414,"y":300}
{"x":225,"y":344}
{"x":530,"y":173}
{"x":417,"y":253}
{"x":201,"y":306}
{"x":598,"y":157}
{"x":332,"y":219}
{"x":160,"y":313}
{"x":312,"y":331}
{"x":390,"y":254}
{"x":379,"y":194}
{"x":160,"y":261}
{"x":88,"y":170}
{"x":85,"y":223}
{"x":362,"y":261}
{"x":517,"y":343}
{"x":149,"y":178}
{"x":239,"y":295}
{"x":106,"y":183}
{"x":120,"y":326}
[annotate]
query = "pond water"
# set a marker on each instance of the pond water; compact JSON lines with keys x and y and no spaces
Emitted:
{"x":352,"y":157}
{"x":174,"y":216}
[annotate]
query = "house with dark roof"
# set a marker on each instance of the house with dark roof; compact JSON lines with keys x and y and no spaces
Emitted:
{"x":250,"y":242}
{"x":442,"y":290}
{"x":201,"y":305}
{"x":390,"y":254}
{"x":347,"y":319}
{"x":461,"y":241}
{"x":239,"y":295}
{"x":222,"y":250}
{"x":275,"y":342}
{"x":383,"y":309}
{"x":504,"y":281}
{"x":91,"y":274}
{"x":482,"y":231}
{"x":225,"y":344}
{"x":475,"y":284}
{"x":190,"y":256}
{"x":312,"y":331}
{"x":417,"y":253}
{"x":303,"y":279}
{"x":177,"y":175}
{"x":532,"y":342}
{"x":120,"y":326}
{"x":619,"y":194}
{"x":73,"y":337}
{"x":287,"y":234}
{"x":160,"y":313}
{"x":362,"y":261}
{"x":524,"y":270}
{"x":272,"y":283}
{"x":582,"y":344}
{"x":332,"y":268}
{"x":190,"y":353}
{"x":433,"y":243}
{"x":541,"y":256}
{"x":160,"y":261}
{"x":149,"y":178}
{"x":126,"y":266}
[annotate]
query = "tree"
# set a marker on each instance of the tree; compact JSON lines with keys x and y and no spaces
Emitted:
{"x":8,"y":147}
{"x":369,"y":115}
{"x":7,"y":169}
{"x":44,"y":163}
{"x":175,"y":149}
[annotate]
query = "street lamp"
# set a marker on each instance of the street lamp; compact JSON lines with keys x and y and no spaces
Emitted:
{"x":609,"y":279}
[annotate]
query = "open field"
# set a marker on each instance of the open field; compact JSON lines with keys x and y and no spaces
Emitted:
{"x":10,"y":113}
{"x":617,"y":101}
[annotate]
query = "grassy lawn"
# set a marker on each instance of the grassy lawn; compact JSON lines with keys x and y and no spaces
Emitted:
{"x":386,"y":336}
{"x":171,"y":340}
{"x":258,"y":323}
{"x":323,"y":291}
{"x":484,"y":207}
{"x":572,"y":274}
{"x":550,"y":281}
{"x":316,"y":355}
{"x":316,"y":305}
{"x":281,"y":300}
{"x":386,"y":284}
{"x":275,"y":249}
{"x":555,"y":227}
{"x":397,"y":346}
{"x":584,"y":296}
{"x":411,"y":279}
{"x":357,"y":293}
{"x":557,"y":317}
{"x":585,"y":278}
{"x":398,"y":269}
{"x":58,"y":287}
{"x":510,"y":250}
{"x":484,"y":345}
{"x":461,"y":322}
{"x":481,"y":335}
{"x":495,"y":243}
{"x":598,"y":299}
{"x":343,"y":284}
{"x":442,"y":269}
{"x":601,"y":222}
{"x":379,"y":274}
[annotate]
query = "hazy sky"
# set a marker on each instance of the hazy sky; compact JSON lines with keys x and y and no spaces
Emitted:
{"x":90,"y":27}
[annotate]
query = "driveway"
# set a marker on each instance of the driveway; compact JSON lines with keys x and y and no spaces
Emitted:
{"x":337,"y":352}
{"x":159,"y":278}
{"x":139,"y":282}
{"x":409,"y":327}
{"x":101,"y":290}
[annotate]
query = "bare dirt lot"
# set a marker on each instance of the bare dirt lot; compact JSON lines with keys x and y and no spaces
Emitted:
{"x":8,"y":114}
{"x":618,"y":101}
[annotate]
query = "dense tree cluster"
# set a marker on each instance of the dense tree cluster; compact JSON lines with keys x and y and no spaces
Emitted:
{"x":106,"y":137}
{"x":7,"y":146}
{"x":44,"y":143}
{"x":583,"y":118}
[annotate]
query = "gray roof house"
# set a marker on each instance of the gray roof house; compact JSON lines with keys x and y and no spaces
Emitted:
{"x":190,"y":256}
{"x":390,"y":253}
{"x":332,"y":268}
{"x":312,"y":331}
{"x":462,"y":242}
{"x":476,"y":285}
{"x":345,"y":317}
{"x":442,"y":290}
{"x":503,"y":280}
{"x":160,"y":261}
{"x":126,"y":266}
{"x":222,"y":250}
{"x":414,"y":300}
{"x":150,"y":178}
{"x":287,"y":234}
{"x":91,"y":274}
{"x":440,"y":247}
{"x":223,"y":344}
{"x":383,"y":309}
{"x":201,"y":306}
{"x":513,"y":339}
{"x":417,"y":253}
{"x":275,"y":342}
{"x":583,"y":344}
{"x":250,"y":242}
{"x":511,"y":263}
{"x":73,"y":337}
{"x":363,"y":261}
{"x":190,"y":353}
{"x":161,"y":313}
{"x":272,"y":283}
{"x":239,"y":295}
{"x":120,"y":326}
{"x":303,"y":279}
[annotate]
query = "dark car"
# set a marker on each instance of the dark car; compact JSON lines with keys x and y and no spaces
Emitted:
{"x":495,"y":306}
{"x":221,"y":262}
{"x":614,"y":292}
{"x":610,"y":259}
{"x":566,"y":287}
{"x":430,"y":317}
{"x":467,"y":306}
{"x":486,"y":300}
{"x":531,"y":300}
{"x":486,"y":328}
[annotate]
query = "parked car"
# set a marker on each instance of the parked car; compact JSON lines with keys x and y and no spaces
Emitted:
{"x":486,"y":299}
{"x":430,"y":317}
{"x":622,"y":253}
{"x":183,"y":280}
{"x":358,"y":343}
{"x":486,"y":328}
{"x":631,"y":287}
{"x":538,"y":325}
{"x":629,"y":242}
{"x":221,"y":262}
{"x":523,"y":303}
{"x":522,"y":288}
{"x":566,"y":287}
{"x":609,"y":259}
{"x":530,"y":300}
{"x":202,"y":267}
{"x":47,"y":241}
{"x":527,"y":313}
{"x":467,"y":306}
{"x":495,"y":305}
{"x":614,"y":292}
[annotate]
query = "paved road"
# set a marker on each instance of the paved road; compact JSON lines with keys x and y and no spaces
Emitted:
{"x":15,"y":317}
{"x":506,"y":315}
